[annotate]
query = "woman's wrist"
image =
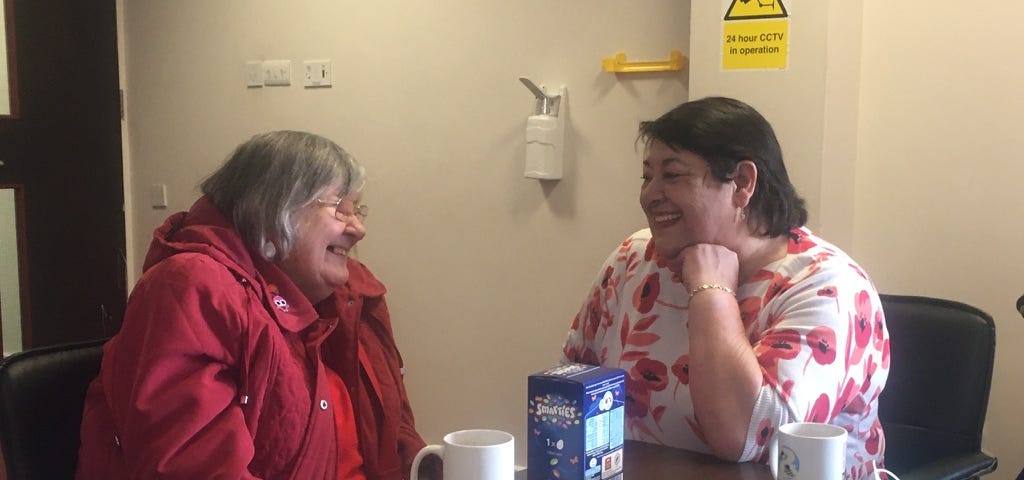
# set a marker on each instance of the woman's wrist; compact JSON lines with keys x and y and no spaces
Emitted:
{"x":704,"y":287}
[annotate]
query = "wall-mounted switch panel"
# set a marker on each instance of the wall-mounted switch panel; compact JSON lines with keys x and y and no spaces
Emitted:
{"x":318,"y":73}
{"x":158,"y":195}
{"x":277,"y":72}
{"x":254,"y":74}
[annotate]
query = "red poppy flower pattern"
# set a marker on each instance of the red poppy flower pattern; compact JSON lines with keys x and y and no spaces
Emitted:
{"x":814,"y":323}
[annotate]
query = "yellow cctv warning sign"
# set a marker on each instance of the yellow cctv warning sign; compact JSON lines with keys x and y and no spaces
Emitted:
{"x":755,"y":35}
{"x":753,"y":9}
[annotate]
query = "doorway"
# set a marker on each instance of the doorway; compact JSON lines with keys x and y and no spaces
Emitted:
{"x":62,"y":150}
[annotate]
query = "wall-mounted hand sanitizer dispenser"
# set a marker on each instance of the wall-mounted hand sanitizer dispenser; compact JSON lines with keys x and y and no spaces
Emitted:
{"x":545,"y":135}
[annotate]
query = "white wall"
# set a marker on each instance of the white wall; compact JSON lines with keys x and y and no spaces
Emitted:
{"x":485,"y":268}
{"x":938,"y":187}
{"x":899,"y":124}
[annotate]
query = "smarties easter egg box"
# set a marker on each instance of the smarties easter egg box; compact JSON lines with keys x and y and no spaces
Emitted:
{"x":575,"y":421}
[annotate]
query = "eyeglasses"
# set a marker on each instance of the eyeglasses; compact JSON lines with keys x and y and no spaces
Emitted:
{"x":358,"y":209}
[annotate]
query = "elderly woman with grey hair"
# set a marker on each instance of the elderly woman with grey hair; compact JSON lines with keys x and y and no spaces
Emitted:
{"x":218,"y":370}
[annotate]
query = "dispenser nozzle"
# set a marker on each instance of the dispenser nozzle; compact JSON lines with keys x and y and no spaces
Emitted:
{"x":546,"y":104}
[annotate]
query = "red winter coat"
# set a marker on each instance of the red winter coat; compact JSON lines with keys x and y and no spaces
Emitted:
{"x":213,"y":376}
{"x":387,"y":431}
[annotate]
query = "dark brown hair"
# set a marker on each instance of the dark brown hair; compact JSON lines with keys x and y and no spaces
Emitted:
{"x":724,"y":131}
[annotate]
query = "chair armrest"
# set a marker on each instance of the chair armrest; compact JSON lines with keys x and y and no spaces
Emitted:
{"x":960,"y":467}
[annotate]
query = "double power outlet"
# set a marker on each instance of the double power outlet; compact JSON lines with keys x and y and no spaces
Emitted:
{"x":272,"y":73}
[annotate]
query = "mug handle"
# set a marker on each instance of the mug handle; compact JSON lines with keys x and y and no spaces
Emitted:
{"x":427,"y":450}
{"x":773,"y":455}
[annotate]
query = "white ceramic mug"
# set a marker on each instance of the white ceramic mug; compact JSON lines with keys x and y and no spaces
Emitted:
{"x":473,"y":455}
{"x":808,"y":451}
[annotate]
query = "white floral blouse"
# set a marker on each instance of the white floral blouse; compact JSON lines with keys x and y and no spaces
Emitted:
{"x":813,"y":318}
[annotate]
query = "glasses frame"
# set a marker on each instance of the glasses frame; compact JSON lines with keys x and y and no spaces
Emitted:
{"x":360,"y":210}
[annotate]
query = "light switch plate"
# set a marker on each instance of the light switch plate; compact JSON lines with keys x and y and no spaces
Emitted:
{"x":254,"y":74}
{"x":277,"y":72}
{"x":158,"y":195}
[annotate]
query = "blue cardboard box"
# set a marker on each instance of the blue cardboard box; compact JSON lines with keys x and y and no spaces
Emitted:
{"x":575,"y":422}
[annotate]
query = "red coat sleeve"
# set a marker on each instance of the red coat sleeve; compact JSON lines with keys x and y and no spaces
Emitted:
{"x":169,"y":377}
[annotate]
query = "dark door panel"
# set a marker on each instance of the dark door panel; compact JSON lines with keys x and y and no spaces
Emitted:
{"x":64,"y":149}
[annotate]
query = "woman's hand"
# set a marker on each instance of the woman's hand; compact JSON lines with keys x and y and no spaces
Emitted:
{"x":706,"y":263}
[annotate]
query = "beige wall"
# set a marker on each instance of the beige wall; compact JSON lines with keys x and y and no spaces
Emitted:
{"x":485,"y":268}
{"x":898,"y":122}
{"x":938,"y":186}
{"x":792,"y":99}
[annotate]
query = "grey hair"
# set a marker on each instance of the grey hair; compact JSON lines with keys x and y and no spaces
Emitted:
{"x":267,"y":179}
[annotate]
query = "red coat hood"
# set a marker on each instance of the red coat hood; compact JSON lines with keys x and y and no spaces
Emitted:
{"x":202,"y":229}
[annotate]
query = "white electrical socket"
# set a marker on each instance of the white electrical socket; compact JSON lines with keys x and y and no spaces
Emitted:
{"x":318,"y":73}
{"x":277,"y":72}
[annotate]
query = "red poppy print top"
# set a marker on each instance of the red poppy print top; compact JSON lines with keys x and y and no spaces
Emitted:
{"x":813,"y":319}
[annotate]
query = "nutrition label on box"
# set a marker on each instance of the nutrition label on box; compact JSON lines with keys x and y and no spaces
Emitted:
{"x":597,"y":431}
{"x":616,"y":417}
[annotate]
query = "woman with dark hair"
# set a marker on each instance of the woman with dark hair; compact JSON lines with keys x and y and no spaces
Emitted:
{"x":730,"y":316}
{"x":241,"y":354}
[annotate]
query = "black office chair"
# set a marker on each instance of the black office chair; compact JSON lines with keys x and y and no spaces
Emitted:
{"x":42,"y":392}
{"x":1020,"y":308}
{"x":934,"y":403}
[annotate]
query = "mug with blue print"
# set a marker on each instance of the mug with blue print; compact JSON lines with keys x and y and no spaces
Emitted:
{"x":808,"y":451}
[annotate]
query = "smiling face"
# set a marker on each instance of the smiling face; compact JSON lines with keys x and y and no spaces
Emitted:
{"x":684,"y":203}
{"x":318,"y":262}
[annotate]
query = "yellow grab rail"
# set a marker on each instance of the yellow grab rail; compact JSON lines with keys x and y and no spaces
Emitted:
{"x":620,"y":65}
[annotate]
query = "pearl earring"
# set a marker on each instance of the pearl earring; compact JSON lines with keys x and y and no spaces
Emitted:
{"x":269,"y":250}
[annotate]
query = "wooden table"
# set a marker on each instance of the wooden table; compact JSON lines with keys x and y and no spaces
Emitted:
{"x":645,"y":461}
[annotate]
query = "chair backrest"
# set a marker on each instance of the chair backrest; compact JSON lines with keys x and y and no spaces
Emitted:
{"x":1020,"y":308}
{"x":934,"y":403}
{"x":42,"y":392}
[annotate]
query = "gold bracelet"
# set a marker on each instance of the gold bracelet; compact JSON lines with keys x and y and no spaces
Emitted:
{"x":711,"y":286}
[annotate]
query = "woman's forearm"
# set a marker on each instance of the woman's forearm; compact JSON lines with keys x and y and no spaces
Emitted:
{"x":725,"y":377}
